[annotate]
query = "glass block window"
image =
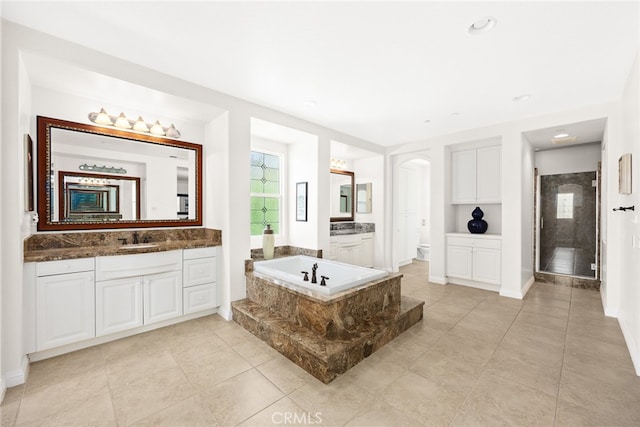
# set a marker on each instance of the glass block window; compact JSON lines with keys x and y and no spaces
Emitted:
{"x":265,"y":192}
{"x":565,"y":206}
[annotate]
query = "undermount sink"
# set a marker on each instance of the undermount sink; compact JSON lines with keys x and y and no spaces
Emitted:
{"x":138,"y":246}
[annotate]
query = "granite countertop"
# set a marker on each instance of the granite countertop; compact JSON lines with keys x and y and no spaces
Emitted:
{"x":347,"y":232}
{"x":346,"y":228}
{"x":59,"y":246}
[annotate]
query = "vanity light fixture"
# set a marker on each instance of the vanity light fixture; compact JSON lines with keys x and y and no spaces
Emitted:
{"x":103,"y":168}
{"x":139,"y":125}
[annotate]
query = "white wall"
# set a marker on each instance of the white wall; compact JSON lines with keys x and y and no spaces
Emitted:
{"x":492,"y":214}
{"x":573,"y":159}
{"x":528,"y":220}
{"x":628,"y":222}
{"x":303,"y":167}
{"x":3,"y":385}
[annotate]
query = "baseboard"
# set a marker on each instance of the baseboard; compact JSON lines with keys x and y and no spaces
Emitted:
{"x":225,"y":313}
{"x":438,"y":280}
{"x":632,"y":345}
{"x":608,"y":311}
{"x":528,"y":285}
{"x":511,"y":294}
{"x":19,"y":376}
{"x":473,"y":284}
{"x":3,"y":389}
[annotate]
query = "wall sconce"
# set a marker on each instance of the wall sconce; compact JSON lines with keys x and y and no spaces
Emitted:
{"x":95,"y":168}
{"x":139,"y":125}
{"x":338,"y":163}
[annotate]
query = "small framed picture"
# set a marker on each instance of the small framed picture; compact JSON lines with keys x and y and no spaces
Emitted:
{"x":28,"y":174}
{"x":624,"y":174}
{"x":301,"y":201}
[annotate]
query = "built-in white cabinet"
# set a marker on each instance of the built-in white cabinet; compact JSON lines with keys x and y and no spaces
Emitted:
{"x":139,"y":290}
{"x":476,"y":175}
{"x":199,"y":279}
{"x":356,"y":249}
{"x":75,"y":300}
{"x":64,"y":302}
{"x":474,"y":258}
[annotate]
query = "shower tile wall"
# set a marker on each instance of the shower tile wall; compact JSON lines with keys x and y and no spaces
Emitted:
{"x":568,"y":238}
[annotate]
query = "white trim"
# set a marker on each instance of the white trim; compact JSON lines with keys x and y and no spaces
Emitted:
{"x":608,"y":311}
{"x":438,"y":280}
{"x":3,"y":389}
{"x":632,"y":346}
{"x":45,"y":354}
{"x":511,"y":294}
{"x":528,"y":285}
{"x":225,"y":312}
{"x":474,"y":284}
{"x":18,"y":376}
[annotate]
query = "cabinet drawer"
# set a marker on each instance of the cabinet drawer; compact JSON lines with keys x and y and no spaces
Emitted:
{"x":119,"y":266}
{"x":200,"y":252}
{"x":474,"y":242}
{"x":198,"y":298}
{"x":49,"y":268}
{"x":198,"y":271}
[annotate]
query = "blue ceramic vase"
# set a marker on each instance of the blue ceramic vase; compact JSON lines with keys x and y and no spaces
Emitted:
{"x":477,"y":225}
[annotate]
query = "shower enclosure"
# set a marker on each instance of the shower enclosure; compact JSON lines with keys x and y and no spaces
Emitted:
{"x":568,"y":215}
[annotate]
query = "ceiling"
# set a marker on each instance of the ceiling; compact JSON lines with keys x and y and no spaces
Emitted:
{"x":376,"y":70}
{"x":583,"y":132}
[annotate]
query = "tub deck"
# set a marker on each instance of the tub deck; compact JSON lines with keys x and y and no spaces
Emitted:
{"x":326,"y":336}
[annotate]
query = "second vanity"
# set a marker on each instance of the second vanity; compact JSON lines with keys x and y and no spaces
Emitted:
{"x":352,"y":243}
{"x":77,"y":301}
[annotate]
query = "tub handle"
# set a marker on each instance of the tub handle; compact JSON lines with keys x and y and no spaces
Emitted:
{"x":322,"y":282}
{"x":306,"y":276}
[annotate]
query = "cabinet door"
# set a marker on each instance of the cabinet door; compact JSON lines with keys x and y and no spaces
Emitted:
{"x":459,"y":261}
{"x":486,"y":265}
{"x":489,"y":174}
{"x":367,"y":252}
{"x":118,"y":305}
{"x":65,"y":310}
{"x":162,"y":296}
{"x":463,"y":176}
{"x":333,"y":250}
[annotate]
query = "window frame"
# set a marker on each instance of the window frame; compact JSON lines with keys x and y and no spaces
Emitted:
{"x":280,"y":236}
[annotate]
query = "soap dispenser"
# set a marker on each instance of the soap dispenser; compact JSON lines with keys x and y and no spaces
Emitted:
{"x":268,"y":242}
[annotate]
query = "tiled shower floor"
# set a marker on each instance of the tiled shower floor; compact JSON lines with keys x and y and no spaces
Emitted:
{"x":570,"y":261}
{"x":476,"y":359}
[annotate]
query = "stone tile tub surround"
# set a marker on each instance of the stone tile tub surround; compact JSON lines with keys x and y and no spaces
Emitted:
{"x":341,"y":228}
{"x":326,"y":335}
{"x":56,"y":246}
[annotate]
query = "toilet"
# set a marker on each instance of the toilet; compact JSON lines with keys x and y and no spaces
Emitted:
{"x":424,"y":247}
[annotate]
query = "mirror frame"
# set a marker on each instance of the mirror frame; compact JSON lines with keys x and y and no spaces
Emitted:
{"x":353,"y":182}
{"x":45,"y":124}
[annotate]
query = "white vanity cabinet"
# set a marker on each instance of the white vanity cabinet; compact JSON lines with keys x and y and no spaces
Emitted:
{"x":476,"y":175}
{"x":136,"y":290}
{"x":64,"y":305}
{"x":474,"y":258}
{"x":199,"y":277}
{"x":356,"y":249}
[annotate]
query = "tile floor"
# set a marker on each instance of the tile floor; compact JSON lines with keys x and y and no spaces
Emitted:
{"x":476,"y":359}
{"x":571,"y":261}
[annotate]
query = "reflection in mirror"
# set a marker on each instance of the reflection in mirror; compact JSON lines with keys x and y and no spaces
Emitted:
{"x":94,"y":177}
{"x":342,"y":195}
{"x":363,"y":198}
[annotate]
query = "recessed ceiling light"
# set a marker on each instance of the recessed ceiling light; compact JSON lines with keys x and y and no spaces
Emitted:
{"x":427,"y":121}
{"x":522,"y":97}
{"x":482,"y":25}
{"x":455,"y":114}
{"x":310,"y":103}
{"x":561,"y":133}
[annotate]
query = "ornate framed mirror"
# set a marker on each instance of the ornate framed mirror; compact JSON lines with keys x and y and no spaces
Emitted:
{"x":342,"y":190}
{"x":93,"y":177}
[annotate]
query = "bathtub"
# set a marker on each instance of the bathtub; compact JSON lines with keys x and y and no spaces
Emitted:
{"x":341,"y":276}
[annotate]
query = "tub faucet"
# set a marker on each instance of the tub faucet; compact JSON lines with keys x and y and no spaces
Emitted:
{"x":322,"y":282}
{"x":306,"y":276}
{"x":313,"y":273}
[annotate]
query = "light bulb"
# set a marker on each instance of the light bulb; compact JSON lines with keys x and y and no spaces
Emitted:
{"x":102,"y":118}
{"x":140,"y":125}
{"x":156,"y":129}
{"x":123,"y":122}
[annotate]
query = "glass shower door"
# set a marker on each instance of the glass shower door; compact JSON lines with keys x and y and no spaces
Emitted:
{"x":568,"y":224}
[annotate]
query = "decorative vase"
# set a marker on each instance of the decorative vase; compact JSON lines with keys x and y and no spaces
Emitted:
{"x":268,"y":242}
{"x":477,"y":225}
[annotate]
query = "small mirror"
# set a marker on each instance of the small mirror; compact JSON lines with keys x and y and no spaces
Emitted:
{"x":363,"y":198}
{"x":342,"y":195}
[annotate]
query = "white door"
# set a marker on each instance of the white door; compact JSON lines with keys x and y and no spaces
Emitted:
{"x":162,"y":296}
{"x":118,"y":305}
{"x":65,"y":310}
{"x":486,"y":265}
{"x":459,"y":261}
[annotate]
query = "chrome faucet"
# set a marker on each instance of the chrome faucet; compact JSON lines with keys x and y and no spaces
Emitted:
{"x":135,"y":238}
{"x":313,"y":273}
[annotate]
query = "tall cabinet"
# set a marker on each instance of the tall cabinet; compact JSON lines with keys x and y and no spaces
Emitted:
{"x":476,"y":175}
